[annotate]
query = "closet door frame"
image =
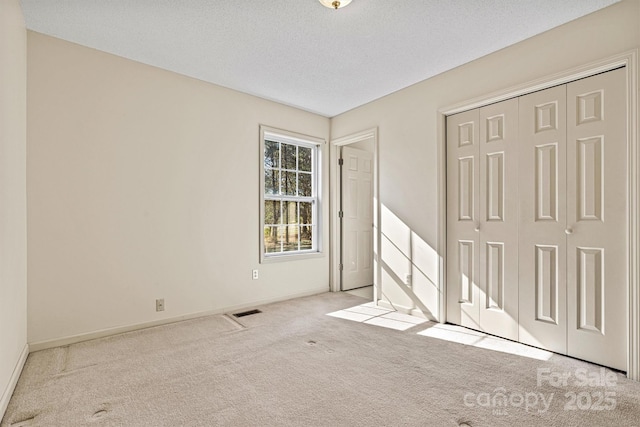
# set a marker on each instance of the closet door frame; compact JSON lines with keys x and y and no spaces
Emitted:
{"x":629,"y":60}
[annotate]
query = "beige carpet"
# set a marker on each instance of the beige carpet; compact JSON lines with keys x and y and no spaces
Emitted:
{"x":292,"y":365}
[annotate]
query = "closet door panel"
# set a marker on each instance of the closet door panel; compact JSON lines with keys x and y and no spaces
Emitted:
{"x":498,"y":224}
{"x":463,"y":248}
{"x":542,"y":219}
{"x":597,"y":219}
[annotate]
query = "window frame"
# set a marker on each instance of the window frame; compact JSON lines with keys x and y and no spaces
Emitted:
{"x":316,"y":144}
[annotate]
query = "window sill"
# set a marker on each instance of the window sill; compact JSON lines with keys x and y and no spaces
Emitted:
{"x":290,"y":257}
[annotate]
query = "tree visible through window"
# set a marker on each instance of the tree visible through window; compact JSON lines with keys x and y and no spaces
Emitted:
{"x":290,"y":202}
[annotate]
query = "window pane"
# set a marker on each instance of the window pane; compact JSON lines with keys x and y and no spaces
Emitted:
{"x":271,"y":154}
{"x":306,"y":237}
{"x":306,"y":213}
{"x":290,"y":213}
{"x":304,"y":184}
{"x":288,"y":156}
{"x":271,"y":180}
{"x":304,"y":159}
{"x":289,"y":226}
{"x":290,"y":238}
{"x":271,"y":212}
{"x":271,"y":240}
{"x":289,"y":183}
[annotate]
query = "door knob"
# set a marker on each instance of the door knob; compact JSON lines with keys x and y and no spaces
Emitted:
{"x":568,"y":231}
{"x":477,"y":227}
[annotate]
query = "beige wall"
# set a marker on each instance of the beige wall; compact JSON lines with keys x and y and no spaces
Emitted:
{"x":143,"y":184}
{"x":13,"y":233}
{"x":408,"y":135}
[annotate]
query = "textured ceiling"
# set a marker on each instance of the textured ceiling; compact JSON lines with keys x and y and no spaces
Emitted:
{"x":298,"y":52}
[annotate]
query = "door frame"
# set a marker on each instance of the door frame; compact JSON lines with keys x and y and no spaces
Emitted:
{"x":629,"y":60}
{"x":335,"y":224}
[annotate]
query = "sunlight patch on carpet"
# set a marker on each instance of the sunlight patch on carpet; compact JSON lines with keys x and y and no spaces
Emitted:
{"x":465,"y":336}
{"x":373,"y":315}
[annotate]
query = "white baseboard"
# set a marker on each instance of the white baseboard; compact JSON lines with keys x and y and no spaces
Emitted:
{"x":57,"y":342}
{"x":13,"y":381}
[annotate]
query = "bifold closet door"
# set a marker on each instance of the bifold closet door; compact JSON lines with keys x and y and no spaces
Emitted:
{"x":482,"y":237}
{"x":597,"y":220}
{"x":573,"y":219}
{"x":537,"y":219}
{"x":463,"y":241}
{"x":542,"y":238}
{"x":498,"y":219}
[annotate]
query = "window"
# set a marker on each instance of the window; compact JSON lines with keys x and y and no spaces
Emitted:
{"x":289,"y":188}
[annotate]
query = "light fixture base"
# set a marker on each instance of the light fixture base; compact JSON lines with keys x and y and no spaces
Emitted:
{"x":335,"y":4}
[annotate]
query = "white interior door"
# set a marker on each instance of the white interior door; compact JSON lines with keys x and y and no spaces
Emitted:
{"x":597,"y":219}
{"x":499,"y":219}
{"x":542,"y":238}
{"x":463,"y":232}
{"x":357,"y":218}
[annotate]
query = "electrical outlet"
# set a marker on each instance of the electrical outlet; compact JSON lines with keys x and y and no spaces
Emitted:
{"x":254,"y":274}
{"x":160,"y":304}
{"x":407,"y":279}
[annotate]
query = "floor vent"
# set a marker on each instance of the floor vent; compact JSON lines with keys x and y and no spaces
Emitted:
{"x":247,"y":313}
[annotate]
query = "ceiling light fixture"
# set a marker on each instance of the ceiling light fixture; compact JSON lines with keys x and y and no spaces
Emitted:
{"x":335,"y":4}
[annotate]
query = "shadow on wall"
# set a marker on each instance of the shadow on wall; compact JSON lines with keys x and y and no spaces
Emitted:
{"x":409,"y":268}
